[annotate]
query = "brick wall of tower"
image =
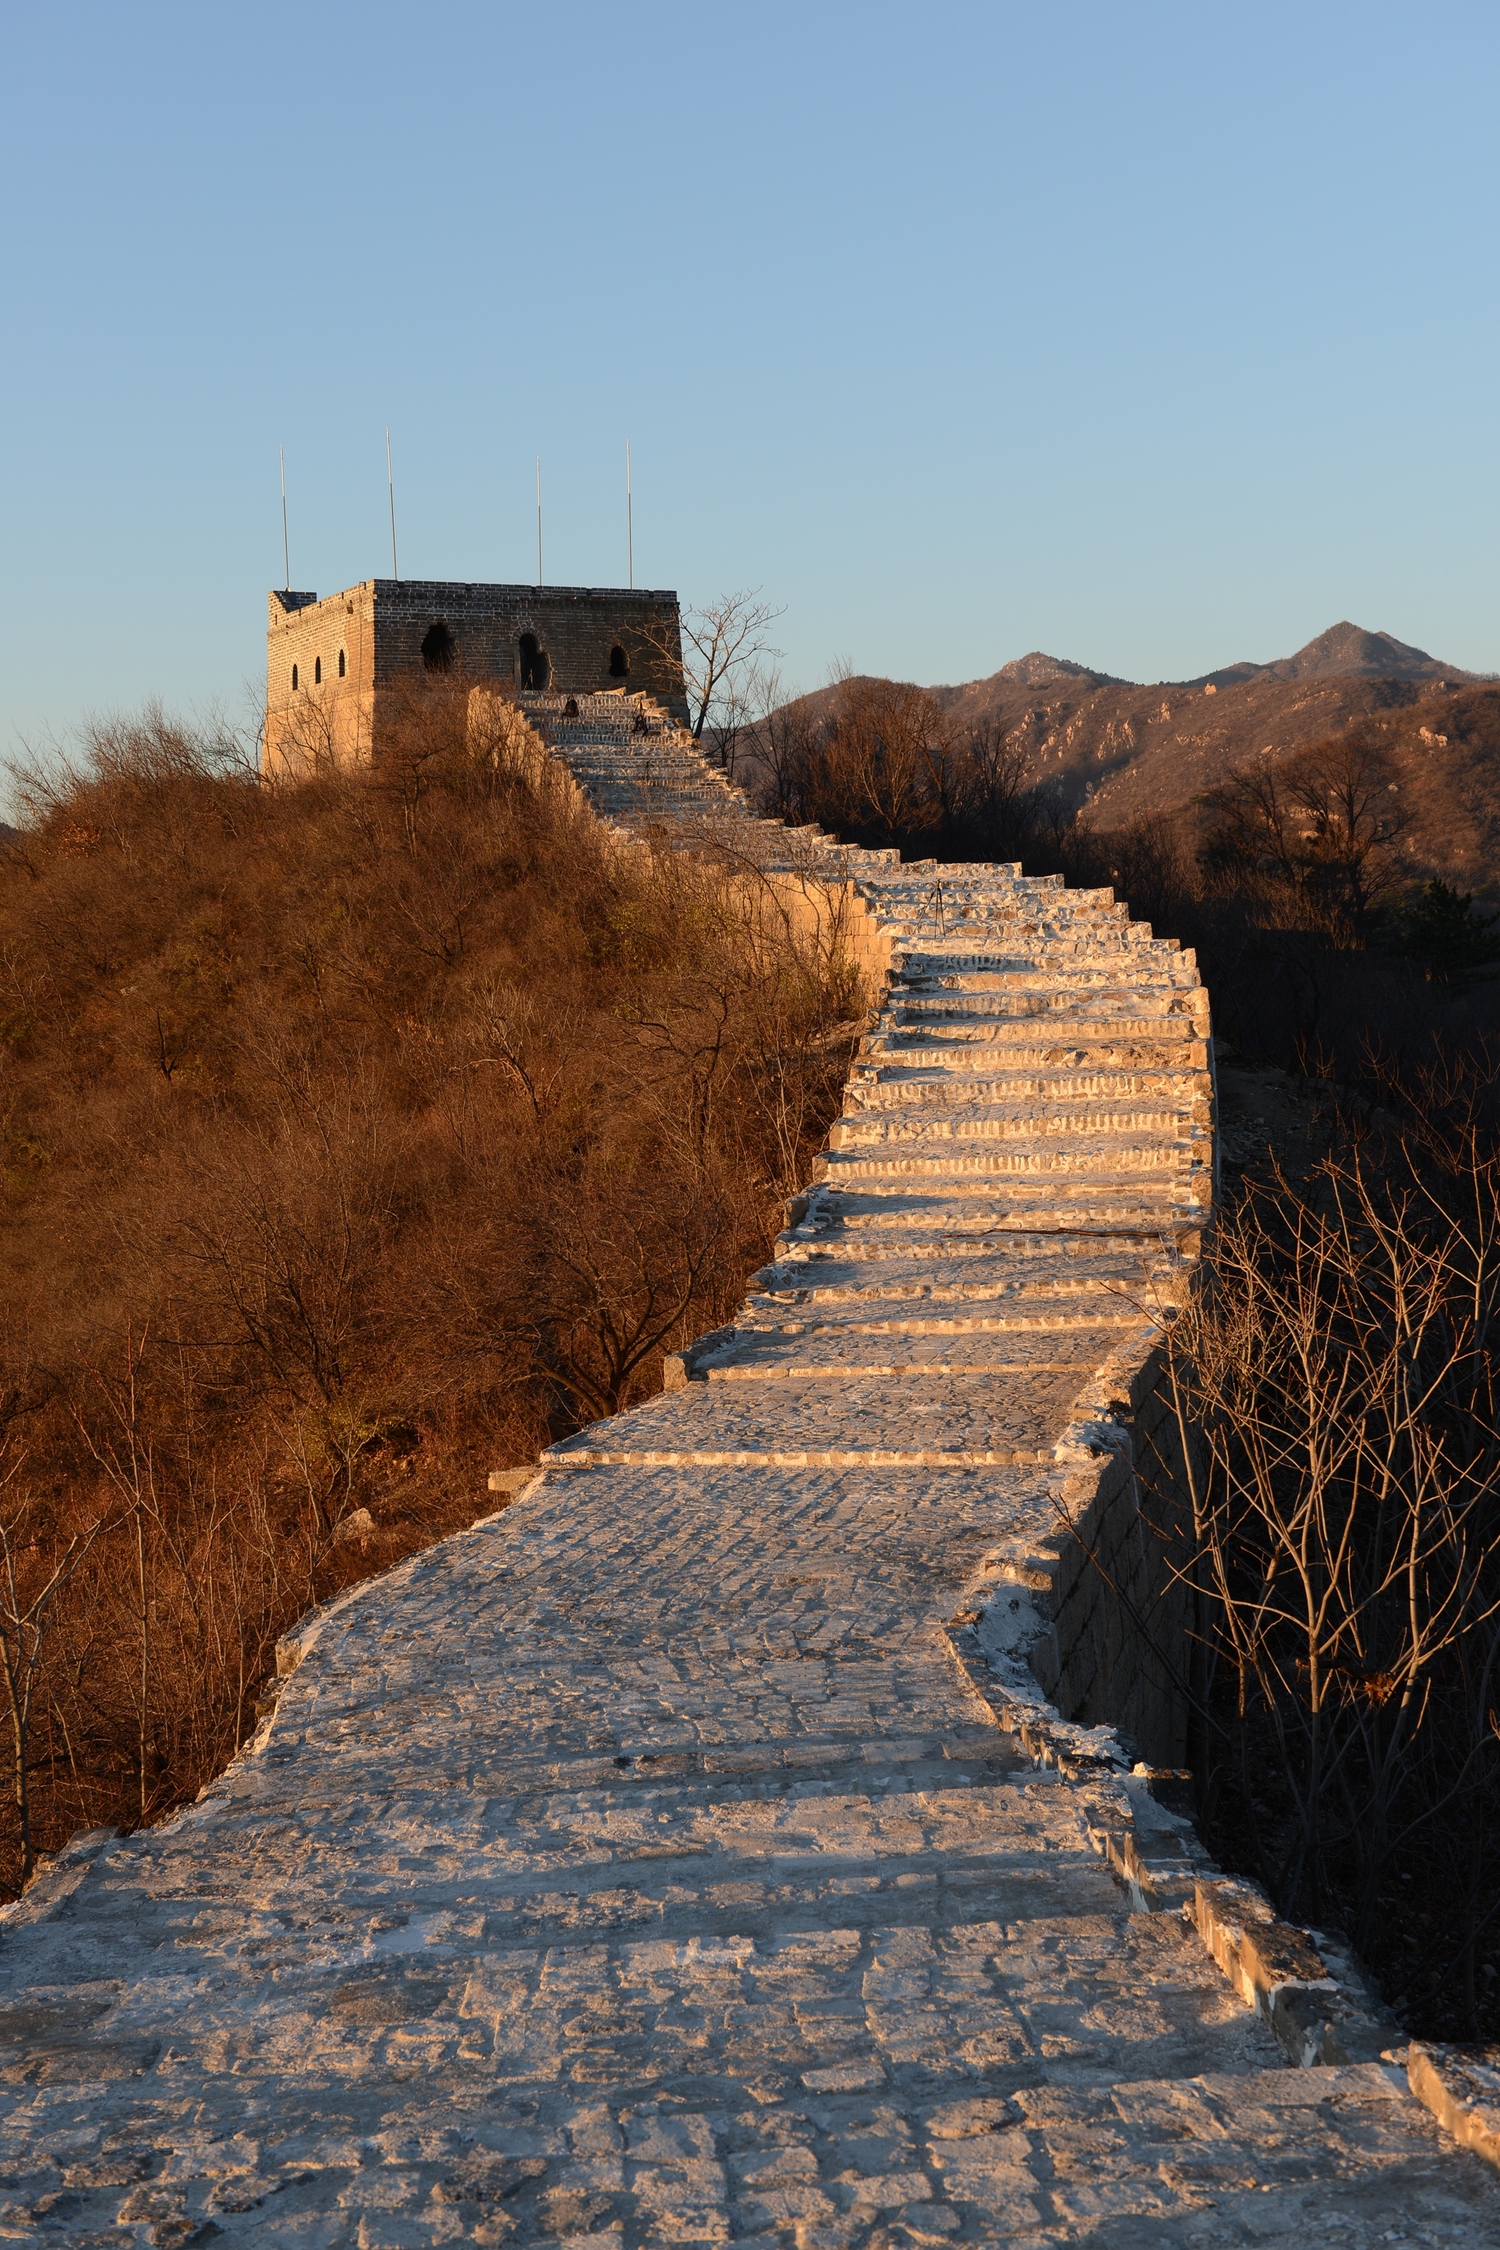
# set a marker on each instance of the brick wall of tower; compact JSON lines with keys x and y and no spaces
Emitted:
{"x":380,"y":625}
{"x":332,"y":718}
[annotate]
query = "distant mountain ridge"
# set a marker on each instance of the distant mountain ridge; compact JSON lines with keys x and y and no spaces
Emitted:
{"x":1130,"y":752}
{"x":1345,"y":651}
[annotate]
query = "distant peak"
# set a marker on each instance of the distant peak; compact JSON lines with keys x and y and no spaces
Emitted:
{"x":1036,"y":669}
{"x":1345,"y":651}
{"x":1347,"y":648}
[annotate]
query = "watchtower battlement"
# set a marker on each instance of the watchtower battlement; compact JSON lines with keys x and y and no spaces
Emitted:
{"x":332,"y":664}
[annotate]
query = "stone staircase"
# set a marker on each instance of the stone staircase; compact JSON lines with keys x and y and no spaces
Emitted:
{"x":687,"y":1854}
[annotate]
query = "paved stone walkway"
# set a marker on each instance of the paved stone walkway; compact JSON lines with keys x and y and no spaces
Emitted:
{"x":642,"y":1866}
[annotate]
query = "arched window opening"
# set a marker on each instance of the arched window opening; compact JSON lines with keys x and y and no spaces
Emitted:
{"x":294,"y":679}
{"x":570,"y":708}
{"x":619,"y":663}
{"x":341,"y":663}
{"x":317,"y":671}
{"x":438,"y":648}
{"x":536,"y":665}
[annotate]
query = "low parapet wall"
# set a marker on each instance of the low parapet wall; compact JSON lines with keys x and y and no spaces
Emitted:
{"x":1115,"y":1652}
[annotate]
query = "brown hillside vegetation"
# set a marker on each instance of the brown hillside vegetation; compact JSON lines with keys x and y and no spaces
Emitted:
{"x":356,"y":1138}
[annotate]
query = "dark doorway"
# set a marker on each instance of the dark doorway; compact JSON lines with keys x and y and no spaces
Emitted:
{"x":536,"y":665}
{"x":438,"y":648}
{"x":619,"y":663}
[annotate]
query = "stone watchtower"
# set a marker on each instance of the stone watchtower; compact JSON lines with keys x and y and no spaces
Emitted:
{"x":332,"y":665}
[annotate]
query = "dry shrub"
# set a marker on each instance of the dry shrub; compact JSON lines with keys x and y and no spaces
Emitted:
{"x":1337,"y":1406}
{"x":354,"y":1138}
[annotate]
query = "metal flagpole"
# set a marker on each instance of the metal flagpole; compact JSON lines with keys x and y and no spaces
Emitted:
{"x":539,"y":519}
{"x":629,"y":519}
{"x":390,"y":485}
{"x":286,"y":553}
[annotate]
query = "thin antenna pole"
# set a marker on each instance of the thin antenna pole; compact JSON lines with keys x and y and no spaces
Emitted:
{"x":390,"y":486}
{"x":539,"y":519}
{"x":286,"y":552}
{"x":629,"y":519}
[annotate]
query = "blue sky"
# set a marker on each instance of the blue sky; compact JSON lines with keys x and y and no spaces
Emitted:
{"x":1150,"y":335}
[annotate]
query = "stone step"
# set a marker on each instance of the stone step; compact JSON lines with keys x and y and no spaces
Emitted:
{"x":1028,"y":1018}
{"x":607,"y":769}
{"x":1102,"y":1000}
{"x":1051,"y":1209}
{"x":1050,"y":1333}
{"x":1155,"y":1199}
{"x":1009,"y":952}
{"x":953,"y":1421}
{"x":984,"y":2007}
{"x":1079,"y":1263}
{"x":867,"y":1222}
{"x":1088,"y":1119}
{"x":1088,"y":1032}
{"x":924,"y":1257}
{"x":985,"y":926}
{"x":1084,"y":1208}
{"x":1169,"y":1051}
{"x":627,"y":771}
{"x":874,"y":1212}
{"x":1068,"y":964}
{"x":660,"y":797}
{"x":1025,"y":1324}
{"x":1017,"y":1259}
{"x":1114,"y":1160}
{"x":977,"y":940}
{"x":838,"y":1356}
{"x":812,"y":2084}
{"x":948,"y":1310}
{"x":999,"y":1283}
{"x":913,"y":1085}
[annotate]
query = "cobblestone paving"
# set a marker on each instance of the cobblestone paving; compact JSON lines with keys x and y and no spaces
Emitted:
{"x":639,"y":1867}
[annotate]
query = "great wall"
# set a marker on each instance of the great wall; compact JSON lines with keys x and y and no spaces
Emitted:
{"x":748,"y":1835}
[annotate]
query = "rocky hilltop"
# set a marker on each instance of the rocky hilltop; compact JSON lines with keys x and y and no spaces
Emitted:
{"x":1345,"y":651}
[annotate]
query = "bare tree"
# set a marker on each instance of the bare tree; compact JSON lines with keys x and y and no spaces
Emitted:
{"x":995,"y":788}
{"x":890,"y":756}
{"x":781,"y":748}
{"x":1320,"y":825}
{"x":721,"y":645}
{"x":28,"y":1599}
{"x":1338,"y":1430}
